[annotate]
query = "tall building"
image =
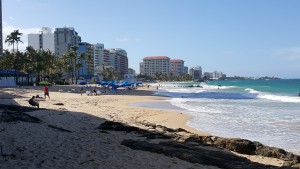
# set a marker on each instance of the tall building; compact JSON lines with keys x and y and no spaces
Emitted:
{"x":119,"y":60}
{"x":87,"y":69}
{"x":43,"y":40}
{"x":176,"y":67}
{"x":1,"y":33}
{"x":142,"y":68}
{"x":101,"y":58}
{"x":196,"y":72}
{"x":154,"y":64}
{"x":185,"y":70}
{"x":98,"y":54}
{"x":64,"y":38}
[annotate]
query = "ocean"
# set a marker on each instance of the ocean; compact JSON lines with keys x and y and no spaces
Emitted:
{"x":267,"y":111}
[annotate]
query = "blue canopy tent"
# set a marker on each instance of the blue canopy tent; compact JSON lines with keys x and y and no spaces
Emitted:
{"x":103,"y":83}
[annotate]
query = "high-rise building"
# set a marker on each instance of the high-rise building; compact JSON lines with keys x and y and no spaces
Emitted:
{"x":87,"y":69}
{"x":43,"y":40}
{"x":1,"y":35}
{"x":101,"y":58}
{"x":185,"y":70}
{"x":154,"y":64}
{"x":196,"y":72}
{"x":119,"y":60}
{"x":176,"y":67}
{"x":98,"y":54}
{"x":142,"y":68}
{"x":64,"y":38}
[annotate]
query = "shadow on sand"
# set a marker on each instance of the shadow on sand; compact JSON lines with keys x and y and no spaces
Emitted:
{"x":158,"y":139}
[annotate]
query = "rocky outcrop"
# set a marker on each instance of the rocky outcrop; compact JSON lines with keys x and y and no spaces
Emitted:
{"x":177,"y":144}
{"x":196,"y":154}
{"x":245,"y":147}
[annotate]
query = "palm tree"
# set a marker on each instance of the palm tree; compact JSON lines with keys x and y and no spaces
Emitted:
{"x":13,"y":38}
{"x":10,"y":40}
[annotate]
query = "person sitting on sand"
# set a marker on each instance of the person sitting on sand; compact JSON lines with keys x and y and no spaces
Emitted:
{"x":32,"y":102}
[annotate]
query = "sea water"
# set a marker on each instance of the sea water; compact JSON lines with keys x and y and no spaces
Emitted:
{"x":267,"y":111}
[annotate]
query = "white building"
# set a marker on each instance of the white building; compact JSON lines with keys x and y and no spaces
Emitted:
{"x":176,"y":67}
{"x":196,"y":72}
{"x":154,"y":64}
{"x":43,"y":40}
{"x":98,"y":56}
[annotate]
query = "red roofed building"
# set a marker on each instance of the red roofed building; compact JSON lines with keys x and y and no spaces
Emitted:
{"x":176,"y":67}
{"x":154,"y":64}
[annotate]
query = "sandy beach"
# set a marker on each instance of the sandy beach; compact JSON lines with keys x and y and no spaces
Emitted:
{"x":71,"y":130}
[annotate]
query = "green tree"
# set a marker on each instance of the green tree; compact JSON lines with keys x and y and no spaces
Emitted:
{"x":14,"y":37}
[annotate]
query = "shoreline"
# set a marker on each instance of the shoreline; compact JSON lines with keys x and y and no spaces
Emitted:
{"x":110,"y":107}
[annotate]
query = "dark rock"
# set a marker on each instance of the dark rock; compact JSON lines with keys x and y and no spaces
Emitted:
{"x":245,"y":147}
{"x":194,"y":154}
{"x":191,"y":143}
{"x":58,"y":104}
{"x":117,"y":126}
{"x":237,"y":145}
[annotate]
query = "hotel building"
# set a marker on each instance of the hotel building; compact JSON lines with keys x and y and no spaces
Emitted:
{"x":154,"y":64}
{"x":196,"y":72}
{"x":176,"y":67}
{"x":87,"y":69}
{"x":118,"y":60}
{"x":101,"y":58}
{"x":43,"y":40}
{"x":64,"y":38}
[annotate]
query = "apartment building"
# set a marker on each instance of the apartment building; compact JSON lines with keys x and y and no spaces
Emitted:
{"x":196,"y":72}
{"x":64,"y":38}
{"x":101,"y":58}
{"x":176,"y":67}
{"x":119,"y":60}
{"x":154,"y":64}
{"x":87,"y":69}
{"x":42,"y":40}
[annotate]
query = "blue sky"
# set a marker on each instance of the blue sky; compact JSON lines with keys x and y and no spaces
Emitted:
{"x":245,"y":38}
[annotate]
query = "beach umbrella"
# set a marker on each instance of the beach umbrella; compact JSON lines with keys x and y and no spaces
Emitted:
{"x":103,"y":83}
{"x":82,"y":83}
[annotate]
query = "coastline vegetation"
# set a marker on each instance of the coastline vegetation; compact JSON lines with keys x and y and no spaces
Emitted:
{"x":43,"y":65}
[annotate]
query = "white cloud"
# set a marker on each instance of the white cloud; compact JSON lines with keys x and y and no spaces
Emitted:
{"x":290,"y":54}
{"x":7,"y":29}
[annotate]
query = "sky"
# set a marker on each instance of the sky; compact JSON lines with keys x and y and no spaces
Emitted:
{"x":251,"y":38}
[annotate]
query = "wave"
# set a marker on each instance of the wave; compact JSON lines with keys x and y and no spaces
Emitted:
{"x":248,"y":93}
{"x":206,"y":94}
{"x":274,"y":97}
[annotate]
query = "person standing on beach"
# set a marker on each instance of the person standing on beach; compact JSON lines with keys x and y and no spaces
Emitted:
{"x":81,"y":90}
{"x":46,"y":91}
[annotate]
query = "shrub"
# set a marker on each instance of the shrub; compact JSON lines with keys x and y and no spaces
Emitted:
{"x":45,"y":84}
{"x":61,"y":83}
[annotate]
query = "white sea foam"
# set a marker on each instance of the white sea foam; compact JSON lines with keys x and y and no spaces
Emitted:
{"x":269,"y":96}
{"x":259,"y":116}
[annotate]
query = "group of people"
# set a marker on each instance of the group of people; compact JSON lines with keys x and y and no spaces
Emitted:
{"x":33,"y":102}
